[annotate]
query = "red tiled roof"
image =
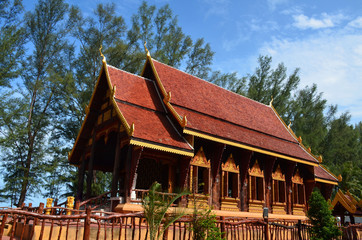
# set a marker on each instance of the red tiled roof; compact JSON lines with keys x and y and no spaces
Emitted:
{"x":139,"y":102}
{"x":134,"y":89}
{"x":320,"y":172}
{"x":152,"y":126}
{"x":243,"y":135}
{"x":213,"y":110}
{"x":199,"y":95}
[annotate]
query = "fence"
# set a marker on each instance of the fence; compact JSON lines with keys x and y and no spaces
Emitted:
{"x":90,"y":224}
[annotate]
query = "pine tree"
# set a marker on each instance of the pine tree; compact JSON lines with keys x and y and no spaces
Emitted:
{"x":12,"y":38}
{"x":310,"y":116}
{"x":324,"y":226}
{"x":267,"y":83}
{"x":26,"y":121}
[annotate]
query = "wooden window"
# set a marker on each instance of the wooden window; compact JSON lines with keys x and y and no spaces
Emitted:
{"x":230,"y":183}
{"x":256,"y":182}
{"x":200,"y":174}
{"x":279,"y":187}
{"x":298,"y":189}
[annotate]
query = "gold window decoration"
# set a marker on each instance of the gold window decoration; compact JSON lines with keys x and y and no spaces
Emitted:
{"x":230,"y":178}
{"x":298,"y":189}
{"x":256,"y":182}
{"x":279,"y":186}
{"x":200,"y":173}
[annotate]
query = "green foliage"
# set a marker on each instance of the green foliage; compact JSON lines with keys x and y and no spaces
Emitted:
{"x":26,"y":121}
{"x":324,"y":226}
{"x":156,"y":205}
{"x":309,"y":115}
{"x":204,"y":226}
{"x":267,"y":83}
{"x":12,"y":39}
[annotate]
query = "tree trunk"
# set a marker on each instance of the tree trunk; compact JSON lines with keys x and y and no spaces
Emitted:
{"x":25,"y":181}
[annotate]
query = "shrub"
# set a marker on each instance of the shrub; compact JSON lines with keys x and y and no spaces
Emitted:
{"x":324,"y":226}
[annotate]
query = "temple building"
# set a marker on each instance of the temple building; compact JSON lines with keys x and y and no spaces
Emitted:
{"x":234,"y":154}
{"x":347,"y":208}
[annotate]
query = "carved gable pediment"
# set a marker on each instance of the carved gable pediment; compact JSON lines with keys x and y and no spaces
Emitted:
{"x":200,"y":159}
{"x":297,"y":178}
{"x":278,"y":174}
{"x":256,"y":171}
{"x":229,"y":165}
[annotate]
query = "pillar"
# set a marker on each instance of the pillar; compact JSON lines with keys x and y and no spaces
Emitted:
{"x":81,"y":171}
{"x":288,"y":181}
{"x":215,"y":161}
{"x":116,"y":165}
{"x":244,"y":158}
{"x":268,"y":171}
{"x":90,"y":167}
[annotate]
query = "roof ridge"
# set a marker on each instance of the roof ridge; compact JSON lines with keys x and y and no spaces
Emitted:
{"x":239,"y":95}
{"x":128,"y":72}
{"x":236,"y":124}
{"x":327,"y":171}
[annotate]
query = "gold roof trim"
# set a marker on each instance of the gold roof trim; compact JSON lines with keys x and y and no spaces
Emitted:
{"x":161,"y":148}
{"x":166,"y":96}
{"x":346,"y":203}
{"x":129,"y":128}
{"x":326,"y":169}
{"x":299,"y":139}
{"x":87,"y":110}
{"x":325,"y":181}
{"x":243,"y":146}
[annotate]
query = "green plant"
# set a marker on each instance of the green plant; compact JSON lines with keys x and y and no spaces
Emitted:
{"x":204,"y":226}
{"x":156,"y":206}
{"x":324,"y":225}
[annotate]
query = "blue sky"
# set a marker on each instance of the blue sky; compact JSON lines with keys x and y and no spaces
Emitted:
{"x":323,"y":38}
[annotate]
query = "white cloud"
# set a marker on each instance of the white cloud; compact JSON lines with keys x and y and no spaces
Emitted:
{"x":357,"y":23}
{"x":331,"y":60}
{"x":216,"y":7}
{"x":274,"y":3}
{"x":325,"y":21}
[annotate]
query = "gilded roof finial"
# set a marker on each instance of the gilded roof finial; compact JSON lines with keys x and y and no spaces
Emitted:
{"x":271,"y":101}
{"x":104,"y":58}
{"x":340,"y":178}
{"x":290,"y":124}
{"x":147,"y":52}
{"x":184,"y":121}
{"x":320,"y":159}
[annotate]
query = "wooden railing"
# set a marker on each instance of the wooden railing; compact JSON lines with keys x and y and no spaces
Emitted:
{"x":91,"y":224}
{"x":96,"y":202}
{"x":139,"y":194}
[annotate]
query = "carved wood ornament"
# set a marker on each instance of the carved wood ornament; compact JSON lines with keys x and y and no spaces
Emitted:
{"x":297,"y":178}
{"x":256,"y":171}
{"x":200,"y":159}
{"x":278,"y":174}
{"x":229,"y":165}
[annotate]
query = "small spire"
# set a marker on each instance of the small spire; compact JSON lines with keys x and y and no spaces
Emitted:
{"x":147,"y":52}
{"x":340,"y":178}
{"x":132,"y":129}
{"x":271,"y":101}
{"x":100,"y":51}
{"x":184,"y":121}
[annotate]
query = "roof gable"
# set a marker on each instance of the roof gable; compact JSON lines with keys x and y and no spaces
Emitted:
{"x":199,"y":95}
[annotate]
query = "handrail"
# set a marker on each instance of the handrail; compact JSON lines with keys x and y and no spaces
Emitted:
{"x":85,"y":202}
